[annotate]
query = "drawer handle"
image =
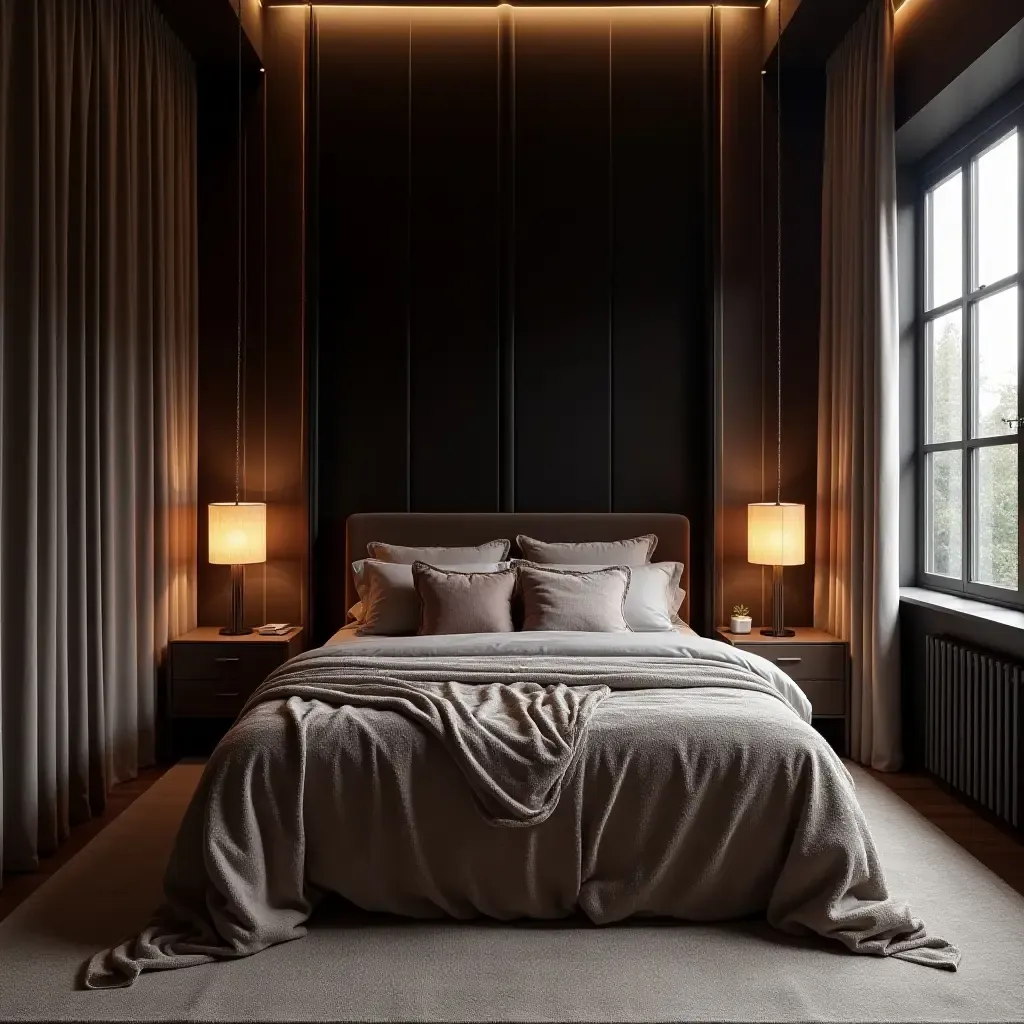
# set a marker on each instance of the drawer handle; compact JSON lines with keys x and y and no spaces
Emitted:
{"x":227,"y":659}
{"x":788,"y":661}
{"x":233,"y":694}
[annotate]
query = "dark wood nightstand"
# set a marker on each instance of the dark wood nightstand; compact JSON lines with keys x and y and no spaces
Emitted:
{"x":212,"y":676}
{"x":819,"y":663}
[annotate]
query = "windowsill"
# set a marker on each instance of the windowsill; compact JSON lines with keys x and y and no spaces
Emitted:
{"x":965,"y":607}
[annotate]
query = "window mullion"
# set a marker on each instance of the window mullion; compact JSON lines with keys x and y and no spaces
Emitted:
{"x":967,"y":357}
{"x":1020,"y":347}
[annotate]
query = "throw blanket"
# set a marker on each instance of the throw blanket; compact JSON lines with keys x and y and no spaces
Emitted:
{"x":683,"y":783}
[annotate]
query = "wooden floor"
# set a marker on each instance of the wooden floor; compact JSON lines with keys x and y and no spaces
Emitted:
{"x":1001,"y":852}
{"x":18,"y":887}
{"x":998,"y":849}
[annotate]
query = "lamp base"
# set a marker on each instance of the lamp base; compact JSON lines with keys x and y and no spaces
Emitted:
{"x":778,"y":627}
{"x":236,"y":628}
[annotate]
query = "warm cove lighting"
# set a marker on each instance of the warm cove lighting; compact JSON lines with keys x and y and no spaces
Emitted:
{"x":775,"y":533}
{"x":238,"y":533}
{"x":526,"y":7}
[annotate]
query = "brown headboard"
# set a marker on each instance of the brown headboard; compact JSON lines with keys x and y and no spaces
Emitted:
{"x":469,"y":528}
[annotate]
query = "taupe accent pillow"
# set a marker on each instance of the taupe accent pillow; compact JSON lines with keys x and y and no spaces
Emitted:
{"x":492,"y":551}
{"x":653,"y":597}
{"x":591,"y":601}
{"x":463,"y":602}
{"x":637,"y":551}
{"x":387,"y":593}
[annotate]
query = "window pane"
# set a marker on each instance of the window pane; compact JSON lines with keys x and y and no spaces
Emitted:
{"x":996,"y":184}
{"x":995,"y":519}
{"x":996,"y":354}
{"x":944,"y":480}
{"x":945,"y":378}
{"x":945,"y":242}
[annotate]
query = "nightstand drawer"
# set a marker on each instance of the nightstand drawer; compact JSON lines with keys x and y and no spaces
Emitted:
{"x":803,"y":661}
{"x":227,"y":662}
{"x":827,"y":696}
{"x":210,"y":698}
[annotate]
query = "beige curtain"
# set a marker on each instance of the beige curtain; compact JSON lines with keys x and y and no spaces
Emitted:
{"x":98,"y":330}
{"x":856,"y":586}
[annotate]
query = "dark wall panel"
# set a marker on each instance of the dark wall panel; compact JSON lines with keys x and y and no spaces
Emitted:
{"x":364,"y":274}
{"x":511,"y":238}
{"x":363,"y":322}
{"x":660,"y":350}
{"x":454,"y":213}
{"x":562,"y":261}
{"x":659,"y":342}
{"x":407,"y":221}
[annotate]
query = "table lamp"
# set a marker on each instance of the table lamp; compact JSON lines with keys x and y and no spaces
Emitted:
{"x":238,"y":537}
{"x":775,"y":537}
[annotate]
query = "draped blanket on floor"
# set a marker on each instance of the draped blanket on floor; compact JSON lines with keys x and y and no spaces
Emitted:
{"x":522,"y":775}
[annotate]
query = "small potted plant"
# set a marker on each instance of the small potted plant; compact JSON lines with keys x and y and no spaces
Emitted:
{"x":741,"y":620}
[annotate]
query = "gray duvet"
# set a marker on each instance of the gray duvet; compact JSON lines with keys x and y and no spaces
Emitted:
{"x":522,"y":775}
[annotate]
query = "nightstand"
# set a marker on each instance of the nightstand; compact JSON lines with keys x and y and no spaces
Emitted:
{"x":820,"y":665}
{"x":212,"y":676}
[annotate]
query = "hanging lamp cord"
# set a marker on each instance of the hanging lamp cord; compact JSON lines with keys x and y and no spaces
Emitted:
{"x":778,"y":257}
{"x":241,"y":310}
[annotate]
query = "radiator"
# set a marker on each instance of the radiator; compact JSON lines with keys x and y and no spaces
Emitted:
{"x":974,"y":708}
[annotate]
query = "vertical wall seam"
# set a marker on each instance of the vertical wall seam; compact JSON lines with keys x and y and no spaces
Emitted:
{"x":611,"y":272}
{"x":499,"y":154}
{"x":408,"y":278}
{"x":713,"y":101}
{"x":506,"y":86}
{"x":263,"y":254}
{"x":310,"y":341}
{"x":764,"y":296}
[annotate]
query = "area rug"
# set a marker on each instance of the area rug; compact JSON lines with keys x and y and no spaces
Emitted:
{"x":364,"y":968}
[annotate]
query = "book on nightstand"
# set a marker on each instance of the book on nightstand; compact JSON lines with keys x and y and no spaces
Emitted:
{"x":274,"y":629}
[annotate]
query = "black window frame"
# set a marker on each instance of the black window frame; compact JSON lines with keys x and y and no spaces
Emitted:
{"x":934,"y":171}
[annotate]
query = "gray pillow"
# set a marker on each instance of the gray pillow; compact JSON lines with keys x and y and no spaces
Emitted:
{"x":452,"y":601}
{"x":637,"y":551}
{"x":387,"y":593}
{"x":492,"y":551}
{"x":592,"y":601}
{"x":653,"y":597}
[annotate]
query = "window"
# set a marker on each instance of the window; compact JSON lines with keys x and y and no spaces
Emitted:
{"x":970,"y":316}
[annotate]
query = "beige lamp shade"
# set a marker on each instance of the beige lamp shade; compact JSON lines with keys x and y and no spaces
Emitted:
{"x":238,"y":532}
{"x":775,"y":534}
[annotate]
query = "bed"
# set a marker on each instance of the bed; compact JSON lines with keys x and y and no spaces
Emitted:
{"x":522,"y":774}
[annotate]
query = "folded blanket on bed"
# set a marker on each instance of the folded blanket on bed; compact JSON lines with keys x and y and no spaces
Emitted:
{"x":686,"y":785}
{"x":514,"y":739}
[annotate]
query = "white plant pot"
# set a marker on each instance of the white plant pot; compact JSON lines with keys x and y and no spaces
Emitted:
{"x":740,"y":624}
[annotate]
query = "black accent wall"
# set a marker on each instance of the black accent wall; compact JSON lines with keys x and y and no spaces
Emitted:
{"x":511,"y":217}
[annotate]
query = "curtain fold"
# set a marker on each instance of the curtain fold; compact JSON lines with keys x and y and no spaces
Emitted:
{"x":98,"y":362}
{"x":856,"y":585}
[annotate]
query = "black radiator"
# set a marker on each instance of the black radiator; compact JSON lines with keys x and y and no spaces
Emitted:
{"x":974,"y":705}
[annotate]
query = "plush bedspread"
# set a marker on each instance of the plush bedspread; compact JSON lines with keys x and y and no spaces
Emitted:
{"x":522,"y":775}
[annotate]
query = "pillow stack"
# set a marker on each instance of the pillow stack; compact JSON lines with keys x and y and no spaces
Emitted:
{"x":602,"y":586}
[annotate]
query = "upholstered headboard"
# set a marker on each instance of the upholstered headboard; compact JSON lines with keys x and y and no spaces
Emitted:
{"x":469,"y":528}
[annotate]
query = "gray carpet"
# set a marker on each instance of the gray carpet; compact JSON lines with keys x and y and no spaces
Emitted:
{"x":369,"y":969}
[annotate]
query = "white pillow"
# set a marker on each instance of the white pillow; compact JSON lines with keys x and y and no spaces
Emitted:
{"x":653,"y":597}
{"x":492,"y":551}
{"x":633,"y":552}
{"x":387,"y":593}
